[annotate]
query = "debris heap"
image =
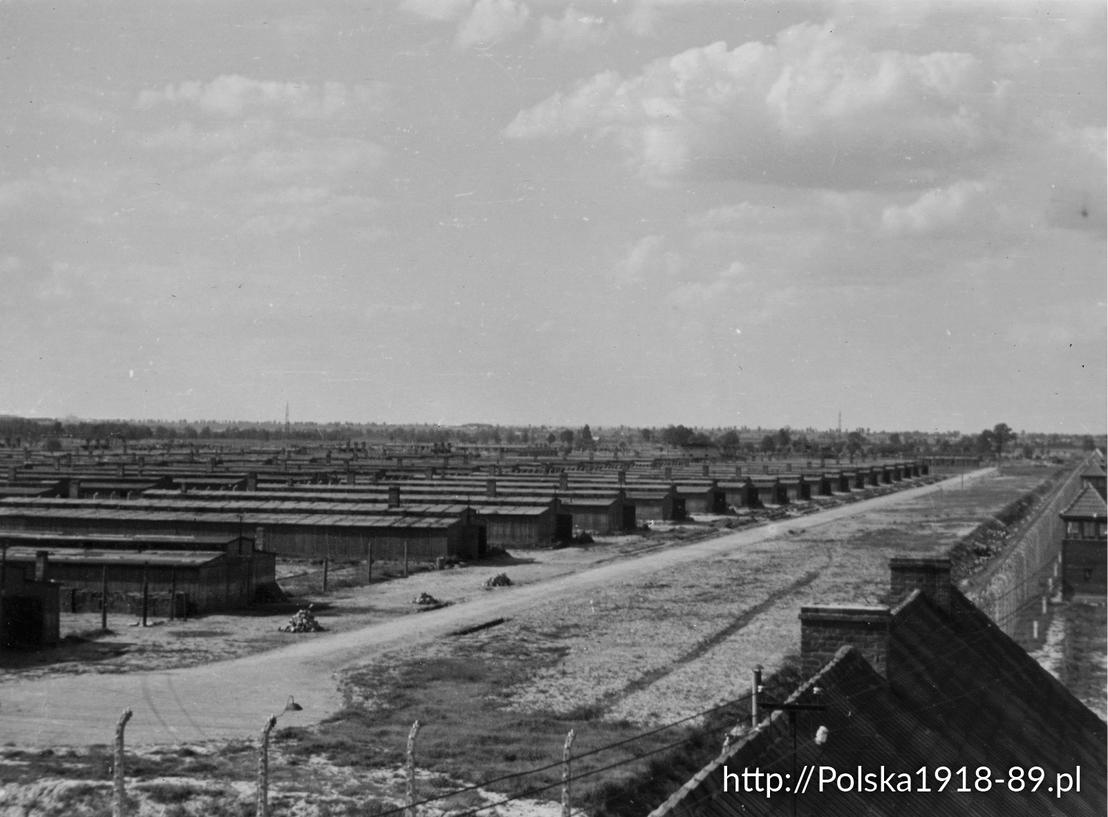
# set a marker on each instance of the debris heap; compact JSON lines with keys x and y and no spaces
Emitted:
{"x":426,"y":600}
{"x":499,"y":580}
{"x":303,"y":622}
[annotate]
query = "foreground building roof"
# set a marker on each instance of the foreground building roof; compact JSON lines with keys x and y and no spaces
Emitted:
{"x":927,"y":691}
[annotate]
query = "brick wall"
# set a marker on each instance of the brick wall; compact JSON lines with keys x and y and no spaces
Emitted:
{"x":825,"y":629}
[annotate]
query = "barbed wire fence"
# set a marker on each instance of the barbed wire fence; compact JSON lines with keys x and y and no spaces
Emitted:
{"x":1027,"y":572}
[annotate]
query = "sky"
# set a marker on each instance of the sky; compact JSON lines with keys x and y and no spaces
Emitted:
{"x":713,"y":213}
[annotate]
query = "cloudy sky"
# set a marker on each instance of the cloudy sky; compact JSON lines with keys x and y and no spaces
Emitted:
{"x":708,"y":212}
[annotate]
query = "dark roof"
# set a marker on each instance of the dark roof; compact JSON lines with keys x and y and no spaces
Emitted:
{"x":958,"y":693}
{"x":1087,"y":505}
{"x":1093,"y":468}
{"x":155,"y":558}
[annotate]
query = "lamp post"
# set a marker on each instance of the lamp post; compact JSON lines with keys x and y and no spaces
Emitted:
{"x":262,"y":798}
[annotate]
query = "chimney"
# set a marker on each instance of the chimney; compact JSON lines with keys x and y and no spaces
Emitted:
{"x":704,"y":470}
{"x":251,"y":480}
{"x":74,"y":489}
{"x":667,"y":472}
{"x":929,"y":575}
{"x":563,"y":481}
{"x":622,"y":476}
{"x":824,"y":629}
{"x":490,"y":488}
{"x":42,"y":561}
{"x":394,"y":496}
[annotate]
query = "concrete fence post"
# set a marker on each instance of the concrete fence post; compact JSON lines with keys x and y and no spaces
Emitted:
{"x":262,"y":797}
{"x":119,"y":801}
{"x":410,"y":796}
{"x":567,"y":807}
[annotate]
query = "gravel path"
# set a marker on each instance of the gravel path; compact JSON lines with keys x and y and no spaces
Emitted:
{"x":231,"y":699}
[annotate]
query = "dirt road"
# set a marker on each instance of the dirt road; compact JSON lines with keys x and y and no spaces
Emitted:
{"x":231,"y":699}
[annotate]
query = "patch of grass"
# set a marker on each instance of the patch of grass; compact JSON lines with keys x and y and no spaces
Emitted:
{"x":169,"y":793}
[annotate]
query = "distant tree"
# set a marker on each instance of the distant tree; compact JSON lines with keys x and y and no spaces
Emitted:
{"x":584,"y":437}
{"x":985,"y":442}
{"x":551,"y":438}
{"x":566,"y":436}
{"x":769,"y":443}
{"x":647,"y":434}
{"x":1088,"y":443}
{"x":855,"y":443}
{"x":784,"y":439}
{"x":730,"y":440}
{"x":676,"y":435}
{"x":1001,"y":436}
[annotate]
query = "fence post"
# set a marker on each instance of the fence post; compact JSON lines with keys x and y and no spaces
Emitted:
{"x":566,"y":806}
{"x":409,"y":804}
{"x":369,"y":559}
{"x":104,"y":598}
{"x":405,"y":560}
{"x":262,"y":801}
{"x":755,"y":691}
{"x":172,"y":593}
{"x":145,"y":591}
{"x":119,"y":803}
{"x":326,"y":565}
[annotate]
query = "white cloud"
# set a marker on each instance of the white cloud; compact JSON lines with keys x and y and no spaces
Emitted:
{"x":491,"y":21}
{"x":186,"y":136}
{"x":332,"y":159}
{"x":937,"y":211}
{"x":703,"y":294}
{"x":646,"y":258}
{"x":230,"y":95}
{"x":813,"y":107}
{"x":574,"y":30}
{"x":437,"y":9}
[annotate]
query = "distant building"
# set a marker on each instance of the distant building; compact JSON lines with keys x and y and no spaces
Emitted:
{"x":1085,"y":546}
{"x":29,"y":606}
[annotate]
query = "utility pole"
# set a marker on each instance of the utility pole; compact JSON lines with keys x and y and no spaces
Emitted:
{"x":792,"y":709}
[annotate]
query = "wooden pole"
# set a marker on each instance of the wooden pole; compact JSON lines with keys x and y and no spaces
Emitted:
{"x":172,"y":593}
{"x":755,"y":690}
{"x":104,"y":598}
{"x":409,"y":805}
{"x":405,"y":560}
{"x":262,"y":798}
{"x":3,"y":581}
{"x":145,"y":591}
{"x":326,"y":566}
{"x":567,"y":808}
{"x":119,"y":801}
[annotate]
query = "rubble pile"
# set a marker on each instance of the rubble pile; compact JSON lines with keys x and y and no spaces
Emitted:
{"x":499,"y":580}
{"x":426,"y":600}
{"x":303,"y":622}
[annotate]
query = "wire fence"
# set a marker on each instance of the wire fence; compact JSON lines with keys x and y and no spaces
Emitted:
{"x":1026,"y":572}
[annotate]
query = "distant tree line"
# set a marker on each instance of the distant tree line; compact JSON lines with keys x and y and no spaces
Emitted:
{"x":998,"y":441}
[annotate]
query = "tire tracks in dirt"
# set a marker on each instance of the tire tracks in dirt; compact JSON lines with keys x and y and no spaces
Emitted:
{"x":706,"y":644}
